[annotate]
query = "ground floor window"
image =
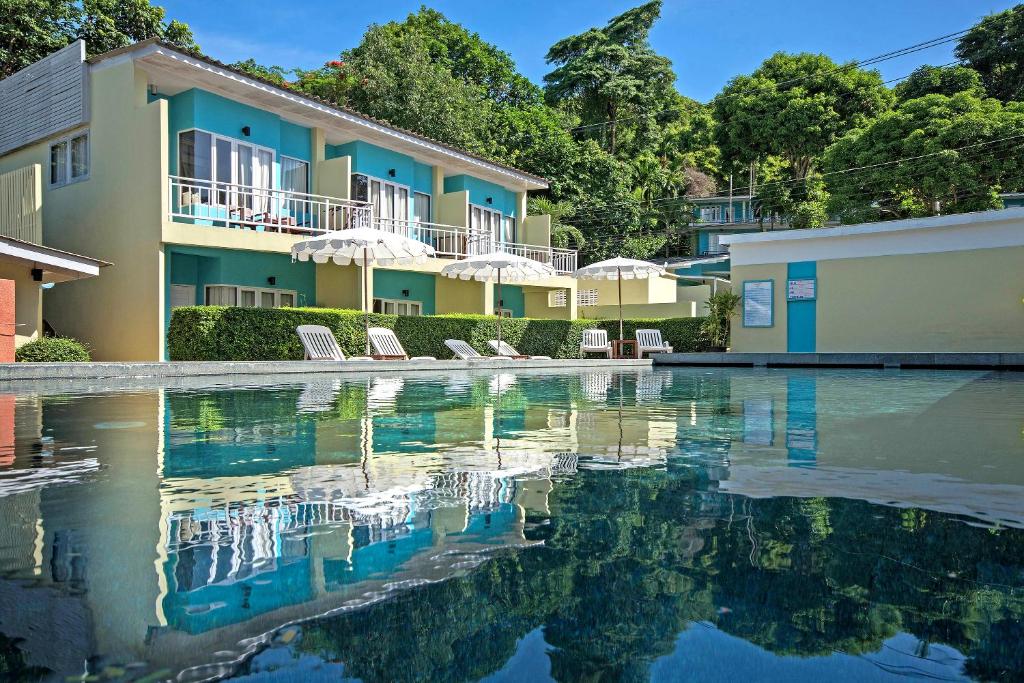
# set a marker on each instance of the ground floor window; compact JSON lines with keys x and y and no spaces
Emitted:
{"x":249,"y":297}
{"x":558,"y":298}
{"x":586,"y":297}
{"x":397,"y":307}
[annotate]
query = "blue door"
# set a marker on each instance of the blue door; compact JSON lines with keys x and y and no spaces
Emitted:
{"x":801,"y":303}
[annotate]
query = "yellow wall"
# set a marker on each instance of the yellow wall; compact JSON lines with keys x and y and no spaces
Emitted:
{"x":341,"y":286}
{"x":956,"y":301}
{"x":536,"y":301}
{"x":334,"y":177}
{"x":763,"y":339}
{"x":947,"y":301}
{"x":462,"y":296}
{"x":115,"y":216}
{"x":28,"y":302}
{"x":453,"y":209}
{"x":537,"y":230}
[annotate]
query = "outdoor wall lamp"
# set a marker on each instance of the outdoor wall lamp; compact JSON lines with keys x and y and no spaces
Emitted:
{"x":271,"y":280}
{"x":246,"y":130}
{"x":391,"y":172}
{"x":405,"y":292}
{"x":489,"y":200}
{"x":37,"y":274}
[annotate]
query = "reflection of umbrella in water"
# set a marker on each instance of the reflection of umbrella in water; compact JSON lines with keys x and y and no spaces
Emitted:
{"x":497,"y":387}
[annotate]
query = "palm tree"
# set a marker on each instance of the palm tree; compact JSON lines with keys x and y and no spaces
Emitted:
{"x":562,"y":234}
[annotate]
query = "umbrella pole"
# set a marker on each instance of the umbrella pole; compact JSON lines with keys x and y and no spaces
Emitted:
{"x":619,"y":270}
{"x":499,"y":312}
{"x":366,"y":297}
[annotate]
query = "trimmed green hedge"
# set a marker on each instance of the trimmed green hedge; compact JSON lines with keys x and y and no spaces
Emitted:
{"x":52,"y":350}
{"x":227,"y":333}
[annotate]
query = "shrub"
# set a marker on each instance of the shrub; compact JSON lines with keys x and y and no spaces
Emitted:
{"x":52,"y":350}
{"x":227,"y":333}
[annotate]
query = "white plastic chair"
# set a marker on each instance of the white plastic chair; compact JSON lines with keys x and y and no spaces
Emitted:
{"x":649,"y":341}
{"x":319,"y":344}
{"x":595,"y":341}
{"x":387,"y":347}
{"x":503,"y":349}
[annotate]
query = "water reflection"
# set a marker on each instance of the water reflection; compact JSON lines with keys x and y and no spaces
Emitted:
{"x":598,"y":525}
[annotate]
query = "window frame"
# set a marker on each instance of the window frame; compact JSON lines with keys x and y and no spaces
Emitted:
{"x":383,"y":183}
{"x":379,"y":304}
{"x":309,"y":177}
{"x":257,"y":295}
{"x":484,"y":211}
{"x":234,"y":142}
{"x":66,"y":140}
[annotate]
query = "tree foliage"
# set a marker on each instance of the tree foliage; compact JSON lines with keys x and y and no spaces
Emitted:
{"x":793,"y":107}
{"x":32,"y":29}
{"x":956,"y":152}
{"x":995,"y":49}
{"x":939,"y":80}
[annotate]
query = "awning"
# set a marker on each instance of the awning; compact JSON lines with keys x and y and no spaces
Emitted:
{"x":56,"y":265}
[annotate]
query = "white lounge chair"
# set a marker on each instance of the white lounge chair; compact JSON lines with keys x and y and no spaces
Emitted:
{"x":319,"y":344}
{"x":649,"y":341}
{"x":595,"y":341}
{"x":503,"y":349}
{"x":387,"y":347}
{"x":463,"y":351}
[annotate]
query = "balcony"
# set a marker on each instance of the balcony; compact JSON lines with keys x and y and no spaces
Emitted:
{"x":244,"y":207}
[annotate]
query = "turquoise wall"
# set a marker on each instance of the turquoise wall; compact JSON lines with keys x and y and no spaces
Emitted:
{"x":215,"y":114}
{"x":513,"y":299}
{"x":201,"y":266}
{"x":479,"y":190}
{"x":377,"y":162}
{"x":801,"y":316}
{"x":388,"y":284}
{"x":702,"y":236}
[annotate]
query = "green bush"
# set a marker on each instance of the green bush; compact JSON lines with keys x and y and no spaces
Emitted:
{"x":52,"y":350}
{"x":227,"y":333}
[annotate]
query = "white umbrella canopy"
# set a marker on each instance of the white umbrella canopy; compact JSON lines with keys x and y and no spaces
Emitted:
{"x":620,"y":269}
{"x":362,"y":246}
{"x":498,"y":266}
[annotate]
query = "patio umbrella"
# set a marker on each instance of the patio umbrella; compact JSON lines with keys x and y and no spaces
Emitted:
{"x":497,"y":266}
{"x":620,"y":269}
{"x":362,"y":246}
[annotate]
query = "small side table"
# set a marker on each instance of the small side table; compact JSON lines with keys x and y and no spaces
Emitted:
{"x":624,"y":348}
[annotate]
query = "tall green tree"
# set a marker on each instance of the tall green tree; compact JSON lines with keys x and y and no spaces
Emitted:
{"x":995,"y":49}
{"x":939,"y":80}
{"x":794,"y":106}
{"x":958,"y":159}
{"x":32,"y":29}
{"x":611,"y":72}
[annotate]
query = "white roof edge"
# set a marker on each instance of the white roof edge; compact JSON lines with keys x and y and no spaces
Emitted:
{"x":50,"y":258}
{"x":437,"y":148}
{"x":930,"y":222}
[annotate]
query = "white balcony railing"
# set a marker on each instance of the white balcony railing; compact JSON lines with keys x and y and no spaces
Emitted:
{"x":203,"y":202}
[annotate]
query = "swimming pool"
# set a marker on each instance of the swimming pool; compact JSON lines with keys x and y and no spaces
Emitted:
{"x":665,"y":524}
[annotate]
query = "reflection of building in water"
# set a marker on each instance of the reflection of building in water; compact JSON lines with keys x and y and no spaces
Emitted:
{"x":211,"y":517}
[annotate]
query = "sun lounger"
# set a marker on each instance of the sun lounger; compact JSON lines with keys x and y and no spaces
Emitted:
{"x":319,"y":344}
{"x":387,"y":347}
{"x":595,"y":341}
{"x":503,"y":349}
{"x":649,"y":341}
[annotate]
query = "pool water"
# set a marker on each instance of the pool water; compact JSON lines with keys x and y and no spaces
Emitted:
{"x":666,"y":525}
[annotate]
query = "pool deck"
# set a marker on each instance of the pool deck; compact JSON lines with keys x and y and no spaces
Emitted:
{"x":991,"y":361}
{"x":70,"y":371}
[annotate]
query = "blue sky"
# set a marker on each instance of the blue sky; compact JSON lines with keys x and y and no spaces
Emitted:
{"x":708,"y":41}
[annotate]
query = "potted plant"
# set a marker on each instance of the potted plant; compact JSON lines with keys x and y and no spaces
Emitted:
{"x":721,"y":308}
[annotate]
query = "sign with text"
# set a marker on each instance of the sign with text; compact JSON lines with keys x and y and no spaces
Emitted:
{"x":757,"y":303}
{"x":802,"y":289}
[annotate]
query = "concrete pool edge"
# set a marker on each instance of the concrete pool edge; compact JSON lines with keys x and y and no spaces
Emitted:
{"x":975,"y":360}
{"x":100,"y":370}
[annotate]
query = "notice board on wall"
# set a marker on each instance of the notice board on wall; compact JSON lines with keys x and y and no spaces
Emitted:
{"x":757,"y":303}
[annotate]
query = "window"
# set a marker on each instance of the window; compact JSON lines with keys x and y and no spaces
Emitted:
{"x":390,"y":200}
{"x":509,"y":235}
{"x":714,"y":245}
{"x":558,"y":298}
{"x":586,"y":297}
{"x":485,"y":221}
{"x":69,"y":159}
{"x":711,"y":214}
{"x":248,"y":297}
{"x":227,"y":162}
{"x":503,"y":312}
{"x":397,"y":307}
{"x":421,"y":207}
{"x":294,"y":175}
